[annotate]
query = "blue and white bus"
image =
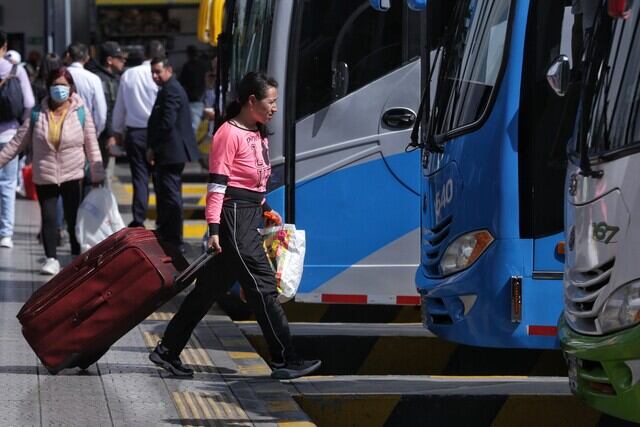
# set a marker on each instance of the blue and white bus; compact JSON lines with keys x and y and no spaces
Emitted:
{"x":493,"y":166}
{"x":347,"y":102}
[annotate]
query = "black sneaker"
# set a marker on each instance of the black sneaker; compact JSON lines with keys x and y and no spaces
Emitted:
{"x":294,"y":369}
{"x":160,"y":356}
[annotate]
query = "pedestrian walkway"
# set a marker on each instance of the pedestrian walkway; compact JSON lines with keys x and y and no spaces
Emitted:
{"x":231,"y":386}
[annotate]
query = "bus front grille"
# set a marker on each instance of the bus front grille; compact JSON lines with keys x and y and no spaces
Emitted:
{"x":433,"y":243}
{"x":581,"y":293}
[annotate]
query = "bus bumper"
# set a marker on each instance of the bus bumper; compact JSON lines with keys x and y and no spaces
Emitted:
{"x":475,"y":306}
{"x":605,"y":370}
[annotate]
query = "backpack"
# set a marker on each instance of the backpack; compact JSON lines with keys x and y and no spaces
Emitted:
{"x":11,"y":99}
{"x":35,"y":113}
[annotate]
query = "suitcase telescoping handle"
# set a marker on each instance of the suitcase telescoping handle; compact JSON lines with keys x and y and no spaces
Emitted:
{"x":185,"y":278}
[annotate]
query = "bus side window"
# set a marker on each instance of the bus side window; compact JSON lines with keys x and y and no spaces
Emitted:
{"x":372,"y":47}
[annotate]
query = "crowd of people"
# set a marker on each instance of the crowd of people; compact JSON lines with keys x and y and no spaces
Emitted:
{"x":71,"y":112}
{"x":58,"y":112}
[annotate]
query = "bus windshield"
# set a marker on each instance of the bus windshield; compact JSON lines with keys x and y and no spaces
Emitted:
{"x":250,"y":37}
{"x":612,"y":95}
{"x":473,"y":54}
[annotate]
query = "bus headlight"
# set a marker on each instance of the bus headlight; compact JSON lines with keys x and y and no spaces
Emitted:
{"x":622,"y":308}
{"x":464,"y":251}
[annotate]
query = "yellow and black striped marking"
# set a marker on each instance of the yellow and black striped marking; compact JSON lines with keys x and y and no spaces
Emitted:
{"x":417,"y":355}
{"x":249,"y":363}
{"x":331,"y":313}
{"x":218,"y":408}
{"x":194,"y":198}
{"x":209,"y":409}
{"x":160,"y":315}
{"x":442,"y":410}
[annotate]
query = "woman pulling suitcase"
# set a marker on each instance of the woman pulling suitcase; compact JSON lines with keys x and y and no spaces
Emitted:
{"x":239,"y":170}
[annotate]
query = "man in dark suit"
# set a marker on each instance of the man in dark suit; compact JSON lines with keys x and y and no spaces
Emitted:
{"x":172,"y":143}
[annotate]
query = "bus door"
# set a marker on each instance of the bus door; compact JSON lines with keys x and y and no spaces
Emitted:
{"x":356,"y":79}
{"x":545,"y":125}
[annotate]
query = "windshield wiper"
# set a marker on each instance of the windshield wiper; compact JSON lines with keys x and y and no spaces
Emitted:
{"x":430,"y":145}
{"x":585,"y":162}
{"x":597,"y":51}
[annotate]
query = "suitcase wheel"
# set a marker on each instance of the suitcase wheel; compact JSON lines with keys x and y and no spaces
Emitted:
{"x":87,"y":360}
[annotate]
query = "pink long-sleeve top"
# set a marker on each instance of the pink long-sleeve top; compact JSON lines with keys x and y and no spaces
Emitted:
{"x":239,"y":168}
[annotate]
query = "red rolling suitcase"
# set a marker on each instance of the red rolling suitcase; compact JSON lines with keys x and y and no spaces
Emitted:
{"x":74,"y":318}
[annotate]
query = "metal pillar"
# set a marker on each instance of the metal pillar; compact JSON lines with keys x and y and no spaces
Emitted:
{"x":48,"y":26}
{"x":56,"y":27}
{"x":65,"y":22}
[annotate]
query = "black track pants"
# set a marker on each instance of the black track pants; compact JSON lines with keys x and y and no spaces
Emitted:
{"x":71,"y":192}
{"x":242,"y":259}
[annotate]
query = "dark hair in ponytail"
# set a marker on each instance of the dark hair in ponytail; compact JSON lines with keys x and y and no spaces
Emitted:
{"x":252,"y":83}
{"x":232,"y":110}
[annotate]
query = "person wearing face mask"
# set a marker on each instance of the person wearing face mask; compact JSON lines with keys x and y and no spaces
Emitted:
{"x":60,"y":131}
{"x":50,"y":61}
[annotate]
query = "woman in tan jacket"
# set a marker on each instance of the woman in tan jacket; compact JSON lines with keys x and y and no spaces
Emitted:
{"x":61,"y":134}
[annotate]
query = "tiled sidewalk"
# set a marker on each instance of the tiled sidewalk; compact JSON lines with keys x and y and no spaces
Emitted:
{"x":231,"y":386}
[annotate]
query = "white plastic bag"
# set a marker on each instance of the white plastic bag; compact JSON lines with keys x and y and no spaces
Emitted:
{"x":285,"y":247}
{"x":98,"y":218}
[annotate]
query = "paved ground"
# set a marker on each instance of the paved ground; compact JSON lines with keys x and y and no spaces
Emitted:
{"x":231,"y":386}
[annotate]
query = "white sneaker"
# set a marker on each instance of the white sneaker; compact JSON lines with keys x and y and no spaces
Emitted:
{"x":51,"y":266}
{"x":6,"y":242}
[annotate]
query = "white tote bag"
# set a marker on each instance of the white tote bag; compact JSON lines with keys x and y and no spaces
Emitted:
{"x":98,"y":218}
{"x":285,"y":247}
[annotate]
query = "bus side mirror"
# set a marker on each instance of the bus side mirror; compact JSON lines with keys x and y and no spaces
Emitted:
{"x":380,"y":5}
{"x":340,"y":80}
{"x":558,"y":75}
